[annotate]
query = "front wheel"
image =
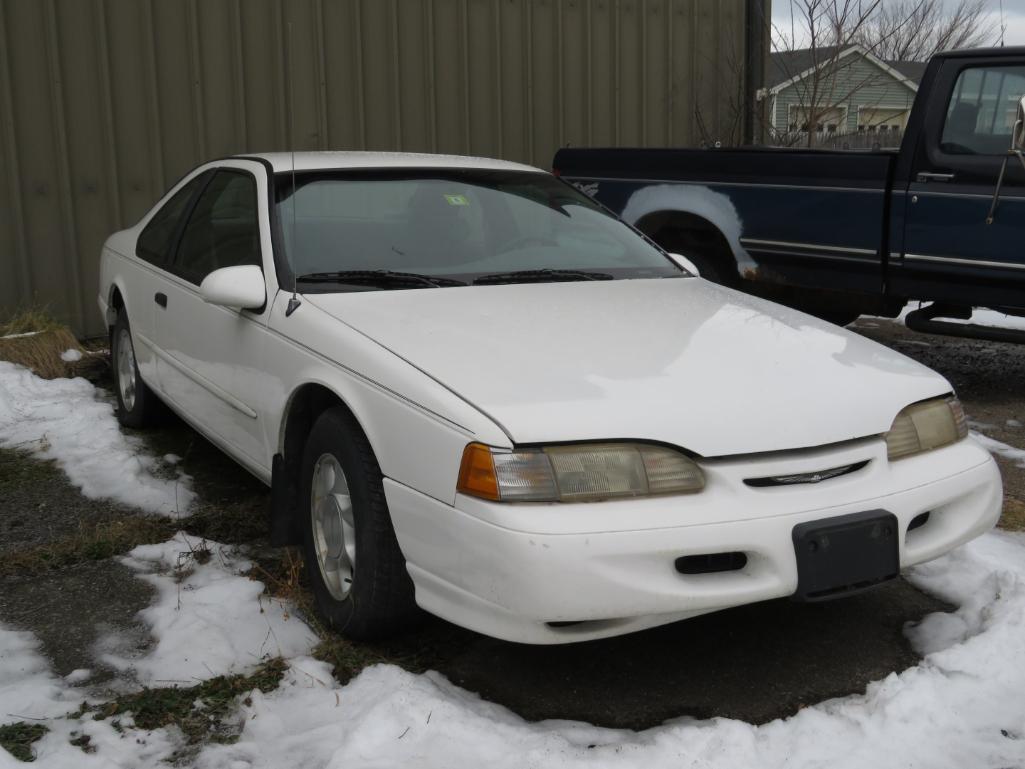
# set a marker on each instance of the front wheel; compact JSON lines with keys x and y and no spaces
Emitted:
{"x":353,"y":561}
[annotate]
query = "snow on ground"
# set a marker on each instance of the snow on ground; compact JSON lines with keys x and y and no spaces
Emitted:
{"x":994,"y":446}
{"x":30,"y":692}
{"x":28,"y":689}
{"x":68,"y":420}
{"x":951,"y":710}
{"x":980,"y":316}
{"x":961,"y":706}
{"x":208,"y":618}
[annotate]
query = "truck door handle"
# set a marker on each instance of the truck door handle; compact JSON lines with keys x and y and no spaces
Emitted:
{"x":924,"y":176}
{"x":160,"y":298}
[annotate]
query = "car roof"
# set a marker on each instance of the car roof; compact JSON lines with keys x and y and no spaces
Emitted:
{"x":318,"y":161}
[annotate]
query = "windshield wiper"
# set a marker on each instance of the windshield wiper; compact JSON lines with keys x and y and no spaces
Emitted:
{"x":541,"y":276}
{"x":379,"y":278}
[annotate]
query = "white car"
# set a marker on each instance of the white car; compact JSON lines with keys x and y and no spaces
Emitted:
{"x":474,"y":391}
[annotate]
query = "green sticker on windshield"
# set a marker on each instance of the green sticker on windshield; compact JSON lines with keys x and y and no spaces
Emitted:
{"x":457,"y":200}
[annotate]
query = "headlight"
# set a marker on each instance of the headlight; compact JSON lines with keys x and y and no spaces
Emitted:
{"x":927,"y":425}
{"x":576,"y":473}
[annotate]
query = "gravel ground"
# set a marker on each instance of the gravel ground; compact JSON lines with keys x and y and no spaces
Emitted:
{"x":989,"y":377}
{"x":755,"y":663}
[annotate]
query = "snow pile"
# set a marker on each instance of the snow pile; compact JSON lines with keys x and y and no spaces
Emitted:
{"x":28,"y":690}
{"x":994,"y":446}
{"x":980,"y":317}
{"x":963,"y":705}
{"x":66,"y":420}
{"x":71,"y":355}
{"x":208,"y":618}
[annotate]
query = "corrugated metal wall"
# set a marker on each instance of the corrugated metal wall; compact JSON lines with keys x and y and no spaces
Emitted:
{"x":104,"y":103}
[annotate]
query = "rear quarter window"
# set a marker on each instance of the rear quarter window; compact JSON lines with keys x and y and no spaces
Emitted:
{"x":157,"y":241}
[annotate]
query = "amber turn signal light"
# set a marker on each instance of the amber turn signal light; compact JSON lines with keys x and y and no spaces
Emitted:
{"x":477,"y":473}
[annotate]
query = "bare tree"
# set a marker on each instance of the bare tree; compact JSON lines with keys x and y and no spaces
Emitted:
{"x":826,"y":77}
{"x":914,"y":30}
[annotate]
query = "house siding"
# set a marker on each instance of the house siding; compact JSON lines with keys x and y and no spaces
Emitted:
{"x":864,"y":82}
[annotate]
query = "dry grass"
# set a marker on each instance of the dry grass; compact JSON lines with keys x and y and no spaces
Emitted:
{"x":34,"y":339}
{"x":93,"y":542}
{"x":204,"y":711}
{"x":29,"y":321}
{"x":1013,"y":516}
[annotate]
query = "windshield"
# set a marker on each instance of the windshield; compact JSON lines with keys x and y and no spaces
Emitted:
{"x":454,"y":226}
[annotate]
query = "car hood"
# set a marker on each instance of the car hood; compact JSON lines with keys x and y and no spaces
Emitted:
{"x":680,"y":361}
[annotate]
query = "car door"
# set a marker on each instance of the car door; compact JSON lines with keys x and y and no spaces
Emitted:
{"x":210,"y":356}
{"x":949,"y":250}
{"x":145,"y":277}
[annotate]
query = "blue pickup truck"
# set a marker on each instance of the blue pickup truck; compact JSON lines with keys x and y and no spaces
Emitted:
{"x":840,"y":234}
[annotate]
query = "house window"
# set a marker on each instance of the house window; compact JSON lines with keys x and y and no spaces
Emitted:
{"x":826,"y":120}
{"x":882,"y":119}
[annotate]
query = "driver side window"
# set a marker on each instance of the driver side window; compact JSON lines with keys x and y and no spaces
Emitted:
{"x":223,"y":230}
{"x":982,"y":111}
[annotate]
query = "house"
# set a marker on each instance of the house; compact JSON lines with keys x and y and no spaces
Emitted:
{"x":836,"y":93}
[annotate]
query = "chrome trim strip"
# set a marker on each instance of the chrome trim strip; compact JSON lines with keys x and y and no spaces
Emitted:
{"x":978,"y":195}
{"x":205,"y":383}
{"x":807,"y":246}
{"x":699,"y":183}
{"x":969,"y":262}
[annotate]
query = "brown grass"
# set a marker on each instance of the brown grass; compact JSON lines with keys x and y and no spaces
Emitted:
{"x":34,"y":339}
{"x":1013,"y":516}
{"x":92,"y":542}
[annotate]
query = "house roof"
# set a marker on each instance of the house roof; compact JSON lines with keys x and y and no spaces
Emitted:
{"x":912,"y":70}
{"x":789,"y":66}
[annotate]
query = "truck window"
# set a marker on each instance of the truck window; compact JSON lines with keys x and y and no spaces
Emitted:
{"x":982,"y":109}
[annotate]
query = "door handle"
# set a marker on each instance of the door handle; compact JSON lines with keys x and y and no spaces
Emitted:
{"x":925,"y":176}
{"x":160,"y":298}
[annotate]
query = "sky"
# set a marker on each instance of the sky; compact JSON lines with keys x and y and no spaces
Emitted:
{"x":1013,"y":17}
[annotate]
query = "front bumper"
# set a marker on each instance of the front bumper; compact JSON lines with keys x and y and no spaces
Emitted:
{"x":511,"y":570}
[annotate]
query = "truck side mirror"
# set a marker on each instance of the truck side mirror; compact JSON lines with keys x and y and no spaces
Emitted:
{"x":1018,"y":132}
{"x":1016,"y":150}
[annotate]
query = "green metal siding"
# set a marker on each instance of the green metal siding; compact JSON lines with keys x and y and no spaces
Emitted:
{"x":104,"y":103}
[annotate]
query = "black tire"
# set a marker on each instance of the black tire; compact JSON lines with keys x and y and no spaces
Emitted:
{"x":838,"y":317}
{"x":709,"y":270}
{"x":380,"y":599}
{"x":141,"y":407}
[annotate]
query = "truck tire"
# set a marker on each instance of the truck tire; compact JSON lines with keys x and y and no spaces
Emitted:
{"x":355,"y":568}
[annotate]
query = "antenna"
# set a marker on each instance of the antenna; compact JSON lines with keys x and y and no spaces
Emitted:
{"x":1003,"y":24}
{"x":294,"y":302}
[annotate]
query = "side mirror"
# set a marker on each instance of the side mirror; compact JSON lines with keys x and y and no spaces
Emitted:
{"x":1018,"y":132}
{"x":685,"y":263}
{"x":241,"y":287}
{"x":1016,"y":151}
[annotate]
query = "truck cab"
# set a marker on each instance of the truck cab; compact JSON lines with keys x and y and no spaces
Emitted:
{"x":842,"y":233}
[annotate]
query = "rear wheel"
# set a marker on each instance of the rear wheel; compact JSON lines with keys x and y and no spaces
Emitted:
{"x":353,"y":561}
{"x":137,"y":406}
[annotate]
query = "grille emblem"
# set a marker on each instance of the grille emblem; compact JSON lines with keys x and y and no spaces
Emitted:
{"x":816,"y":477}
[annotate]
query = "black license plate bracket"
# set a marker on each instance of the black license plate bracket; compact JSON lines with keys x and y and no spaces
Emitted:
{"x":846,"y":554}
